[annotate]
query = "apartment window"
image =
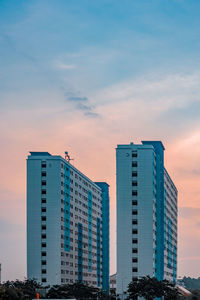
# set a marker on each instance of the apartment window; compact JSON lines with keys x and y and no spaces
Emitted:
{"x":134,"y":183}
{"x":44,"y":280}
{"x":44,"y":271}
{"x":134,"y":154}
{"x":134,"y":174}
{"x":44,"y":262}
{"x":44,"y":200}
{"x":44,"y":236}
{"x":44,"y":245}
{"x":134,"y":250}
{"x":134,"y":193}
{"x":134,"y":222}
{"x":134,"y":260}
{"x":44,"y":164}
{"x":134,"y":269}
{"x":44,"y":218}
{"x":134,"y":231}
{"x":44,"y":254}
{"x":134,"y":164}
{"x":44,"y":209}
{"x":43,"y":227}
{"x":44,"y":173}
{"x":134,"y":212}
{"x":134,"y":241}
{"x":44,"y":192}
{"x":134,"y":202}
{"x":44,"y":183}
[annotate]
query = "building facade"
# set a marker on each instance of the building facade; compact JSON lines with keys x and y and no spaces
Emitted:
{"x":67,"y":220}
{"x":146,"y":214}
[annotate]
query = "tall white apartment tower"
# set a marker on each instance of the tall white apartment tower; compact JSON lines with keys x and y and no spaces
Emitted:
{"x":146,"y":215}
{"x":67,"y":223}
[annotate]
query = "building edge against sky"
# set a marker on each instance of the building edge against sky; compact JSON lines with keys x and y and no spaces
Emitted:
{"x":67,"y":223}
{"x":146,"y":214}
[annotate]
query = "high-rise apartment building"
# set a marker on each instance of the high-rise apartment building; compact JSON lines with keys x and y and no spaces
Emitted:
{"x":67,"y":223}
{"x":146,"y":215}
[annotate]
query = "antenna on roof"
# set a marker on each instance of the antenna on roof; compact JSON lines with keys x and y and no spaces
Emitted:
{"x":67,"y":157}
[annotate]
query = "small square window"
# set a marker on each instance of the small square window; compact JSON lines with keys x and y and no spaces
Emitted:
{"x":134,"y":193}
{"x":43,"y":227}
{"x":44,"y":183}
{"x":44,"y":236}
{"x":44,"y":245}
{"x":44,"y":254}
{"x":44,"y":192}
{"x":44,"y":173}
{"x":134,"y":250}
{"x":44,"y":280}
{"x":44,"y":218}
{"x":134,"y":202}
{"x":134,"y":222}
{"x":44,"y":200}
{"x":134,"y":260}
{"x":44,"y":164}
{"x":134,"y":231}
{"x":44,"y":271}
{"x":44,"y":209}
{"x":134,"y":174}
{"x":134,"y":183}
{"x":134,"y":212}
{"x":44,"y":262}
{"x":134,"y":241}
{"x":134,"y":164}
{"x":135,"y":270}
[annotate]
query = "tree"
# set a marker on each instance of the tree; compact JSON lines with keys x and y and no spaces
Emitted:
{"x":77,"y":290}
{"x":23,"y":289}
{"x":150,"y":288}
{"x":10,"y":293}
{"x":195,"y":295}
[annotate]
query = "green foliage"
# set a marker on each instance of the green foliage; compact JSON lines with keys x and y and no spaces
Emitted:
{"x":150,"y":288}
{"x":195,"y":295}
{"x":77,"y":290}
{"x":19,"y":290}
{"x":191,"y":283}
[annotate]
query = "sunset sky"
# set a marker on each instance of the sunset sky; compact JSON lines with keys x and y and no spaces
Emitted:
{"x":84,"y":76}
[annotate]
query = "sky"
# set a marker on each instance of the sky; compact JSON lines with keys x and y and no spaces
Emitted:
{"x":84,"y":76}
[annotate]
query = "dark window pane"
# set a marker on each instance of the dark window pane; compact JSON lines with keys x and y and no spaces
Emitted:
{"x":134,"y":174}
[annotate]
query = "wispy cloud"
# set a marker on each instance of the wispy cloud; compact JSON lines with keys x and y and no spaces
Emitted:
{"x":81,"y":103}
{"x":64,"y":66}
{"x":77,"y":99}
